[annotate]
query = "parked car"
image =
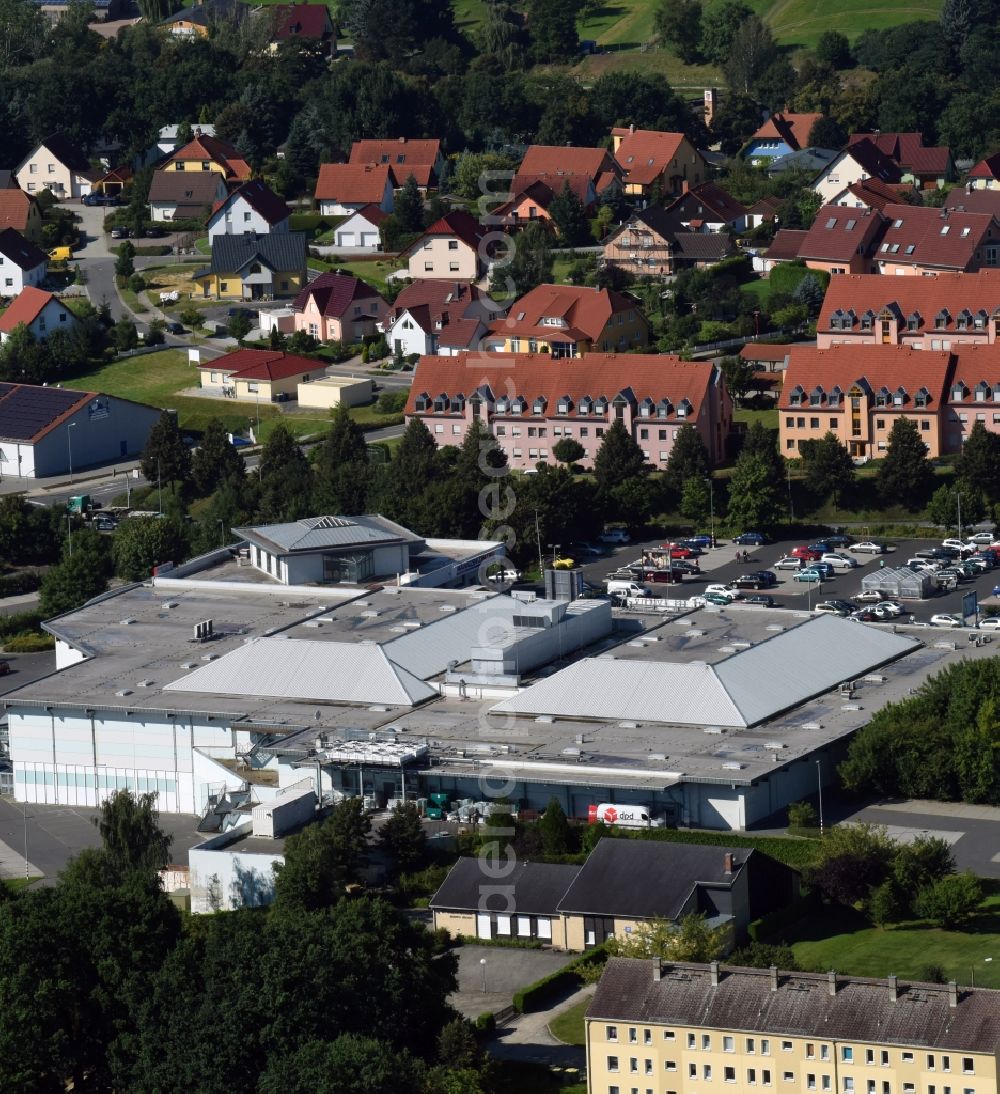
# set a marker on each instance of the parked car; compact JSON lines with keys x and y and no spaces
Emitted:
{"x":865,"y":615}
{"x":867,"y":547}
{"x":119,"y":233}
{"x":810,"y":574}
{"x":173,"y":327}
{"x":506,"y":576}
{"x":718,"y":599}
{"x":990,"y":623}
{"x":759,"y":579}
{"x":587,"y":549}
{"x":926,"y":564}
{"x":700,"y":540}
{"x":840,"y":562}
{"x":677,"y":551}
{"x":883,"y":612}
{"x":870,"y":596}
{"x":810,"y":554}
{"x":154,"y":233}
{"x":982,"y":563}
{"x":890,"y":607}
{"x":831,"y":607}
{"x":824,"y":568}
{"x":615,"y":535}
{"x":104,"y":524}
{"x":982,"y":537}
{"x":837,"y":540}
{"x":751,"y":539}
{"x":946,"y":619}
{"x":955,"y":544}
{"x":788,"y":562}
{"x":92,"y":199}
{"x":823,"y":546}
{"x":722,"y":590}
{"x":760,"y":601}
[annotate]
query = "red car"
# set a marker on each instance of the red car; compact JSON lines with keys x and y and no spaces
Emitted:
{"x":677,"y":551}
{"x":805,"y":552}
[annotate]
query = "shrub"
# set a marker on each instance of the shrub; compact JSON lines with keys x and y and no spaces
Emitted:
{"x":391,"y":402}
{"x":27,"y":581}
{"x":191,"y":317}
{"x":950,"y":899}
{"x":136,"y":283}
{"x":19,"y":622}
{"x":801,"y":815}
{"x":29,"y":642}
{"x":486,"y":1024}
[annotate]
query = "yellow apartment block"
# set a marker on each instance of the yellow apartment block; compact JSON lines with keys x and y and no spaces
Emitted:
{"x":694,"y":1028}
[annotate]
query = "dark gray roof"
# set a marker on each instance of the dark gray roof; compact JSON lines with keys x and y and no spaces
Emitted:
{"x":536,"y":888}
{"x":861,"y":1009}
{"x":328,"y":532}
{"x":805,"y":159}
{"x":185,"y":187}
{"x":20,"y":251}
{"x":283,"y":252}
{"x":68,"y":154}
{"x":704,"y":246}
{"x":643,"y":879}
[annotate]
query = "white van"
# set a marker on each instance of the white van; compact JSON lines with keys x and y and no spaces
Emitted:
{"x":624,"y":816}
{"x":626,"y":589}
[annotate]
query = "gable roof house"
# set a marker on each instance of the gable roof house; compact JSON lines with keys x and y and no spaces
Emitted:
{"x":184,"y":195}
{"x":531,"y":198}
{"x":20,"y":211}
{"x":254,"y":267}
{"x":569,"y":321}
{"x":552,"y":162}
{"x":985,"y":175}
{"x":21,"y":263}
{"x":336,"y":307}
{"x":782,"y":133}
{"x":708,"y":208}
{"x":252,"y":207}
{"x":968,"y":199}
{"x":843,"y":240}
{"x":299,"y":22}
{"x":651,"y":160}
{"x":784,"y":247}
{"x":654,"y":243}
{"x":938,"y":313}
{"x":361,"y":229}
{"x":39,"y":311}
{"x":927,"y":167}
{"x":56,"y":164}
{"x":451,"y":248}
{"x":258,"y":374}
{"x":404,"y":156}
{"x":870,"y":193}
{"x":924,"y":240}
{"x":763,"y":211}
{"x":442,"y":317}
{"x":862,"y":160}
{"x":344,"y":188}
{"x":205,"y":153}
{"x":513,"y":394}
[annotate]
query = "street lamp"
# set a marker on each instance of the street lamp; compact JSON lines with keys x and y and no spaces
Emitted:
{"x":986,"y":961}
{"x":819,"y":784}
{"x":958,"y":499}
{"x":69,"y":445}
{"x":482,"y":965}
{"x":711,"y":506}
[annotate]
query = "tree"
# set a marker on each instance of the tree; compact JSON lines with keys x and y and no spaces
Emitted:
{"x":82,"y":573}
{"x":978,"y":464}
{"x":853,"y":860}
{"x":554,"y":829}
{"x":904,"y":476}
{"x":568,"y":451}
{"x":958,"y":18}
{"x":552,"y":25}
{"x":689,"y":939}
{"x":131,"y":837}
{"x":809,"y":292}
{"x":408,"y":206}
{"x":950,"y":900}
{"x":530,"y":264}
{"x":403,"y":836}
{"x":351,"y":1064}
{"x":801,"y":815}
{"x":286,"y":479}
{"x":762,"y":955}
{"x":124,"y":264}
{"x":738,"y":375}
{"x":752,"y":52}
{"x":341,"y":466}
{"x":833,"y":50}
{"x":239,"y":326}
{"x":943,"y":507}
{"x":124,"y":336}
{"x":755,"y":499}
{"x":828,"y":466}
{"x":165,"y":457}
{"x":688,"y":458}
{"x":141,"y":543}
{"x":886,"y":905}
{"x":566,"y":210}
{"x":696,"y":500}
{"x":677,"y":23}
{"x":215,"y":461}
{"x":720,"y":23}
{"x":618,"y":460}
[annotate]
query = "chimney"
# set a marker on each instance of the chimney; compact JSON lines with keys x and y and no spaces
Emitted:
{"x":713,"y":972}
{"x":685,"y":186}
{"x":711,"y":104}
{"x":657,"y":971}
{"x":402,"y":140}
{"x":728,"y":862}
{"x":832,"y":977}
{"x":952,"y":993}
{"x":631,"y":127}
{"x":893,"y":987}
{"x":774,"y":977}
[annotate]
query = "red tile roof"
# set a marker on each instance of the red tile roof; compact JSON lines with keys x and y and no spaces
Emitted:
{"x":372,"y":213}
{"x":872,"y":160}
{"x":262,"y":364}
{"x":543,"y":188}
{"x":793,"y":129}
{"x":261,"y":198}
{"x":557,"y":159}
{"x":766,"y":206}
{"x":352,"y":183}
{"x":880,"y":366}
{"x":404,"y":156}
{"x":645,"y":154}
{"x":709,"y":202}
{"x":458,"y":223}
{"x":117,"y":174}
{"x":302,"y":21}
{"x":26,"y":307}
{"x":877,"y":194}
{"x":585,"y":311}
{"x":204,"y":147}
{"x":974,"y":201}
{"x":927,"y":296}
{"x":764,"y":351}
{"x":335,"y":292}
{"x":786,"y":244}
{"x":530,"y":375}
{"x":14,"y":208}
{"x":974,"y":365}
{"x":947,"y":239}
{"x":439,"y":300}
{"x":909,"y":152}
{"x":988,"y":168}
{"x":838,"y":234}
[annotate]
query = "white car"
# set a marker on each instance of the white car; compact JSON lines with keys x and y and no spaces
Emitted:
{"x":615,"y":535}
{"x":870,"y":596}
{"x":925,"y":564}
{"x":946,"y":620}
{"x":867,"y":547}
{"x":890,"y":608}
{"x":884,"y":611}
{"x":981,"y":538}
{"x":506,"y":576}
{"x":990,"y":623}
{"x":955,"y":544}
{"x":840,"y":562}
{"x":788,"y":562}
{"x":723,"y":590}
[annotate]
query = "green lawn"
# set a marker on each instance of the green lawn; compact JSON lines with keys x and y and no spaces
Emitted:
{"x":759,"y":287}
{"x":372,"y":271}
{"x":568,"y":1025}
{"x":842,"y":939}
{"x":767,"y":418}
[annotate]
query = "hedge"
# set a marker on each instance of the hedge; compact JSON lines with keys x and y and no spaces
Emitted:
{"x":19,"y":622}
{"x":543,"y":992}
{"x":785,"y":277}
{"x":792,"y":852}
{"x":29,"y":642}
{"x":157,"y":251}
{"x":27,"y":581}
{"x":760,"y":930}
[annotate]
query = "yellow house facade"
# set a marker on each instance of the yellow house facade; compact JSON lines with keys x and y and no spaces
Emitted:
{"x":254,"y":267}
{"x":682,"y":1027}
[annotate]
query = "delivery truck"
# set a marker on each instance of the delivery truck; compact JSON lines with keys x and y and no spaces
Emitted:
{"x":624,"y":816}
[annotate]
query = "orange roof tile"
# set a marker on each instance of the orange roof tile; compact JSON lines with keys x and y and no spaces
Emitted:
{"x":644,"y":154}
{"x":793,"y":129}
{"x":585,"y":312}
{"x":925,"y":236}
{"x":14,"y":208}
{"x":403,"y":156}
{"x":26,"y":307}
{"x":204,"y":147}
{"x":263,"y":364}
{"x":557,"y":159}
{"x":352,"y":183}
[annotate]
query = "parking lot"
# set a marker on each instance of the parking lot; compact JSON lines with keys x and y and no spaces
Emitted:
{"x":720,"y":565}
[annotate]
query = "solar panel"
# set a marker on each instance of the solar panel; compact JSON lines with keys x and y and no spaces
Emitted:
{"x":25,"y":411}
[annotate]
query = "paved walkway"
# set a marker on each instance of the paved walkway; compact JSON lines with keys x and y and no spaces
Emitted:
{"x":941,"y":809}
{"x":526,"y":1037}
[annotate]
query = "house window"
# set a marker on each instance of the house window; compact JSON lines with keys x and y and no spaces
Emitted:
{"x":706,"y":1072}
{"x":765,"y":1048}
{"x":246,"y":218}
{"x":847,"y":1054}
{"x":788,"y":1076}
{"x":223,"y":286}
{"x":612,"y":1063}
{"x":729,"y":1075}
{"x":728,"y":1044}
{"x":452,"y":244}
{"x":706,"y":1042}
{"x":428,"y":267}
{"x":253,"y":388}
{"x":968,"y":1066}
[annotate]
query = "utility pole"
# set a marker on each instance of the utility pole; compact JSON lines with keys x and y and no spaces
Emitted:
{"x":819,"y":783}
{"x":538,"y":541}
{"x":711,"y":506}
{"x":159,"y":485}
{"x":69,"y":445}
{"x":958,"y":498}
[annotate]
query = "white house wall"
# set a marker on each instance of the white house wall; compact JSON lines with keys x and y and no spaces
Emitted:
{"x":240,"y":879}
{"x":17,"y":460}
{"x":67,"y":655}
{"x":240,"y":217}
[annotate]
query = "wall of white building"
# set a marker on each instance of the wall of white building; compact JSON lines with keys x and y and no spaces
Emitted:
{"x":230,"y":879}
{"x":240,"y":217}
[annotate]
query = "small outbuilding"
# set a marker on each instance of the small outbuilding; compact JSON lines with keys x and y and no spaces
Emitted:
{"x":328,"y":392}
{"x":898,"y":582}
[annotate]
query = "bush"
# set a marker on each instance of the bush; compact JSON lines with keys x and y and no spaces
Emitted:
{"x":949,"y":900}
{"x":785,"y":277}
{"x":190,"y":317}
{"x":154,"y":252}
{"x":801,"y":815}
{"x":136,"y":283}
{"x":391,"y":402}
{"x":424,"y":882}
{"x":27,"y":581}
{"x":19,"y":622}
{"x":486,"y":1024}
{"x":792,"y":852}
{"x":774,"y":923}
{"x":29,"y":642}
{"x":541,"y":993}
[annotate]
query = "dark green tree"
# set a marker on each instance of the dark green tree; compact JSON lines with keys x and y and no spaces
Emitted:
{"x":833,"y":50}
{"x":828,"y":466}
{"x":943,"y":508}
{"x":738,"y":375}
{"x":978,"y":464}
{"x":568,"y":451}
{"x":239,"y":326}
{"x":131,"y":837}
{"x":215,"y":461}
{"x":827,"y":133}
{"x":809,"y":292}
{"x":950,"y":900}
{"x":82,"y":573}
{"x":905,"y":476}
{"x":165,"y":459}
{"x":554,"y":829}
{"x":752,"y":52}
{"x":341,"y":467}
{"x":409,"y":206}
{"x":552,"y":25}
{"x":696,"y":500}
{"x":756,"y":499}
{"x":688,"y":458}
{"x":141,"y":543}
{"x":566,"y":210}
{"x":618,"y":460}
{"x":403,"y":836}
{"x":124,"y":335}
{"x":286,"y":478}
{"x":351,"y":1064}
{"x":530,"y":264}
{"x":720,"y":22}
{"x":124,"y":264}
{"x":677,"y":24}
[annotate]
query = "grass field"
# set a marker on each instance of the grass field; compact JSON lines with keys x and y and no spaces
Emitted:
{"x":842,"y":939}
{"x":373,"y":271}
{"x":568,"y":1025}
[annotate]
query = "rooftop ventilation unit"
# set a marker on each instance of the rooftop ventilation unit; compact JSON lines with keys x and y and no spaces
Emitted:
{"x":372,"y":613}
{"x":412,"y":625}
{"x":628,"y":725}
{"x":776,"y":745}
{"x":448,"y":609}
{"x":715,"y":730}
{"x":850,"y":706}
{"x":313,"y":624}
{"x":545,"y":719}
{"x":189,"y":665}
{"x":874,"y":678}
{"x":144,"y":684}
{"x":204,"y":630}
{"x":127,"y":622}
{"x":210,"y":657}
{"x":811,"y":725}
{"x":733,"y":765}
{"x":124,"y":691}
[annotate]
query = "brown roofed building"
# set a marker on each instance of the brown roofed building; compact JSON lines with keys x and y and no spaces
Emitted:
{"x":872,"y":193}
{"x":782,"y":133}
{"x":926,"y":166}
{"x":569,"y":321}
{"x":784,"y":247}
{"x":185,"y":195}
{"x":924,"y":240}
{"x":252,"y":207}
{"x":708,"y":208}
{"x":651,"y":160}
{"x":986,"y":173}
{"x":442,"y":317}
{"x":452,"y":249}
{"x":754,"y":1028}
{"x":20,"y":211}
{"x":343,"y":188}
{"x":863,"y":160}
{"x":259,"y":374}
{"x":763,"y":211}
{"x":337,"y":307}
{"x":532,"y":197}
{"x":969,"y":199}
{"x":842,"y":240}
{"x":552,"y":162}
{"x":653,"y":242}
{"x":529,"y":402}
{"x":404,"y":156}
{"x":38,"y":311}
{"x":56,"y":165}
{"x":205,"y":153}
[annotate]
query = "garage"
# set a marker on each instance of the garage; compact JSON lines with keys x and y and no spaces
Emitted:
{"x":346,"y":239}
{"x":369,"y":239}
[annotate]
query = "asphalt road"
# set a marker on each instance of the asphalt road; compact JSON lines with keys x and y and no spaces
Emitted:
{"x":720,"y":565}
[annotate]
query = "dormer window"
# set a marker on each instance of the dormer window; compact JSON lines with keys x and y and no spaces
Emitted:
{"x":565,"y":405}
{"x":441,"y":404}
{"x":835,"y":397}
{"x":941,"y":319}
{"x":503,"y":405}
{"x":538,"y":406}
{"x":423,"y":401}
{"x":664,"y":408}
{"x":684,"y":408}
{"x":913,"y":321}
{"x":457,"y":404}
{"x":921,"y":398}
{"x":964,"y":318}
{"x":553,"y":321}
{"x":899,"y":396}
{"x":586,"y":405}
{"x":646,"y":408}
{"x":958,"y":390}
{"x":882,"y":397}
{"x":982,"y":391}
{"x":518,"y":405}
{"x":816,"y":396}
{"x":601,"y":405}
{"x":868,"y":320}
{"x":980,"y":319}
{"x":795,"y":396}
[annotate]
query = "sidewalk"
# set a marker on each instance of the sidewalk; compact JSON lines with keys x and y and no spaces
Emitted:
{"x":527,"y":1037}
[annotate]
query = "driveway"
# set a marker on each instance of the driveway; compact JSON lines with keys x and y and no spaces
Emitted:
{"x":506,"y":970}
{"x":527,"y":1037}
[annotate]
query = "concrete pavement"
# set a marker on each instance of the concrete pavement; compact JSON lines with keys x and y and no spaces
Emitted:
{"x":528,"y":1038}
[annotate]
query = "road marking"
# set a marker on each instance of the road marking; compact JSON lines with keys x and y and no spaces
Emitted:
{"x":909,"y":835}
